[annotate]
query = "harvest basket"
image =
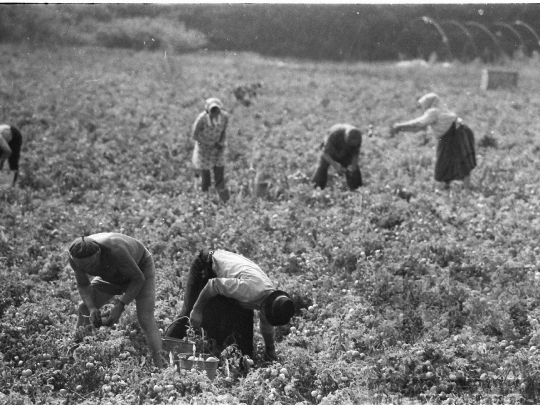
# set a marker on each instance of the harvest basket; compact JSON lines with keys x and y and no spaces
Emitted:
{"x":209,"y":367}
{"x":177,"y":345}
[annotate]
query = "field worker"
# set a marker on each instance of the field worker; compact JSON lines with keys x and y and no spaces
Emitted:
{"x":10,"y":149}
{"x":120,"y":265}
{"x":209,"y":135}
{"x":340,"y":150}
{"x":455,"y":148}
{"x":222,"y":291}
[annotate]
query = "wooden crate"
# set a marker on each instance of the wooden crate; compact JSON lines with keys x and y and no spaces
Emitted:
{"x":495,"y":78}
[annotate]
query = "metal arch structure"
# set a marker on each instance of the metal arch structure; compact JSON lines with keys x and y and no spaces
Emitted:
{"x":465,"y":31}
{"x":484,"y":29}
{"x":520,"y":23}
{"x":470,"y":29}
{"x":429,"y":21}
{"x":512,"y":30}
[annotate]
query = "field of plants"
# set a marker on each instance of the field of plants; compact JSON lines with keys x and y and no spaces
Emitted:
{"x":405,"y":293}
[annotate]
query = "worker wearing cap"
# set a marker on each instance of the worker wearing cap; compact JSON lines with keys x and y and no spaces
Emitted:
{"x":209,"y":135}
{"x":341,"y":149}
{"x":10,"y":149}
{"x":120,"y":265}
{"x":222,"y":291}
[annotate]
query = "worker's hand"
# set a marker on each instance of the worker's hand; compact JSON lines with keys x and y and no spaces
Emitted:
{"x":270,"y":353}
{"x":393,"y":130}
{"x":114,"y":315}
{"x":95,"y":317}
{"x":195,"y":318}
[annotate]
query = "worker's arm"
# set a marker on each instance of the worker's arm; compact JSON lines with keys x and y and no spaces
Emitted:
{"x":196,"y":313}
{"x":86,"y":293}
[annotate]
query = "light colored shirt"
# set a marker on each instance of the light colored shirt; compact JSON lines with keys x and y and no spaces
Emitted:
{"x":239,"y":278}
{"x":5,"y":129}
{"x":208,"y":134}
{"x":439,"y":120}
{"x":5,"y":137}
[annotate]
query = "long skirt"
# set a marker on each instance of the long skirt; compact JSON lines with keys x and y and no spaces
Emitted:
{"x":320,"y":177}
{"x":456,"y":155}
{"x":224,"y":320}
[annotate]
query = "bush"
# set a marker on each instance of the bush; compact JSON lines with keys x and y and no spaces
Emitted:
{"x":35,"y":23}
{"x":149,"y":34}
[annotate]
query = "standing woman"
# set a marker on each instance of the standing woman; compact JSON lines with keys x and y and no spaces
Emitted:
{"x":209,"y":135}
{"x":456,"y":155}
{"x":10,"y":149}
{"x":340,"y":150}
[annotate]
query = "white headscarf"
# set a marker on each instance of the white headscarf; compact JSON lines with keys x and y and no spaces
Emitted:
{"x":429,"y":100}
{"x":208,"y":105}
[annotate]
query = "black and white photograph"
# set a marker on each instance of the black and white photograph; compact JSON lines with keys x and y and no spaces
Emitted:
{"x":284,"y":203}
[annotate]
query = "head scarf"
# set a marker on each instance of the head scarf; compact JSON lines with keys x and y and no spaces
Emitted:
{"x":208,"y":105}
{"x":212,"y":102}
{"x":429,"y":100}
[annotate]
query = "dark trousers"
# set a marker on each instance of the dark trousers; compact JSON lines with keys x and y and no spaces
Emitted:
{"x":223,"y":318}
{"x":219,"y":178}
{"x":320,"y":178}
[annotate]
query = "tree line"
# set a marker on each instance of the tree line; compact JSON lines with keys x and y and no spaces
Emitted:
{"x":367,"y":32}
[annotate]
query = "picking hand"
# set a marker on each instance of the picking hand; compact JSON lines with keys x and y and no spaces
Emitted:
{"x":393,"y":130}
{"x":95,"y":317}
{"x":195,"y":317}
{"x":114,"y":316}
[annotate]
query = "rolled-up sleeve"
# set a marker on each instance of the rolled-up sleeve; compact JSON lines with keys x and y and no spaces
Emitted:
{"x":265,"y":326}
{"x":430,"y":117}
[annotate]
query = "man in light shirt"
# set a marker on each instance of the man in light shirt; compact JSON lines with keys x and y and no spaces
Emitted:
{"x":223,"y":289}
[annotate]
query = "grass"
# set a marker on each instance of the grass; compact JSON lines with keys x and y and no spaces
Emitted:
{"x":445,"y":282}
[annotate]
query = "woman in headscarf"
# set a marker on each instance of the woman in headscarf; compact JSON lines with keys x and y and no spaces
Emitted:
{"x":456,"y":155}
{"x":340,"y":150}
{"x":209,"y":135}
